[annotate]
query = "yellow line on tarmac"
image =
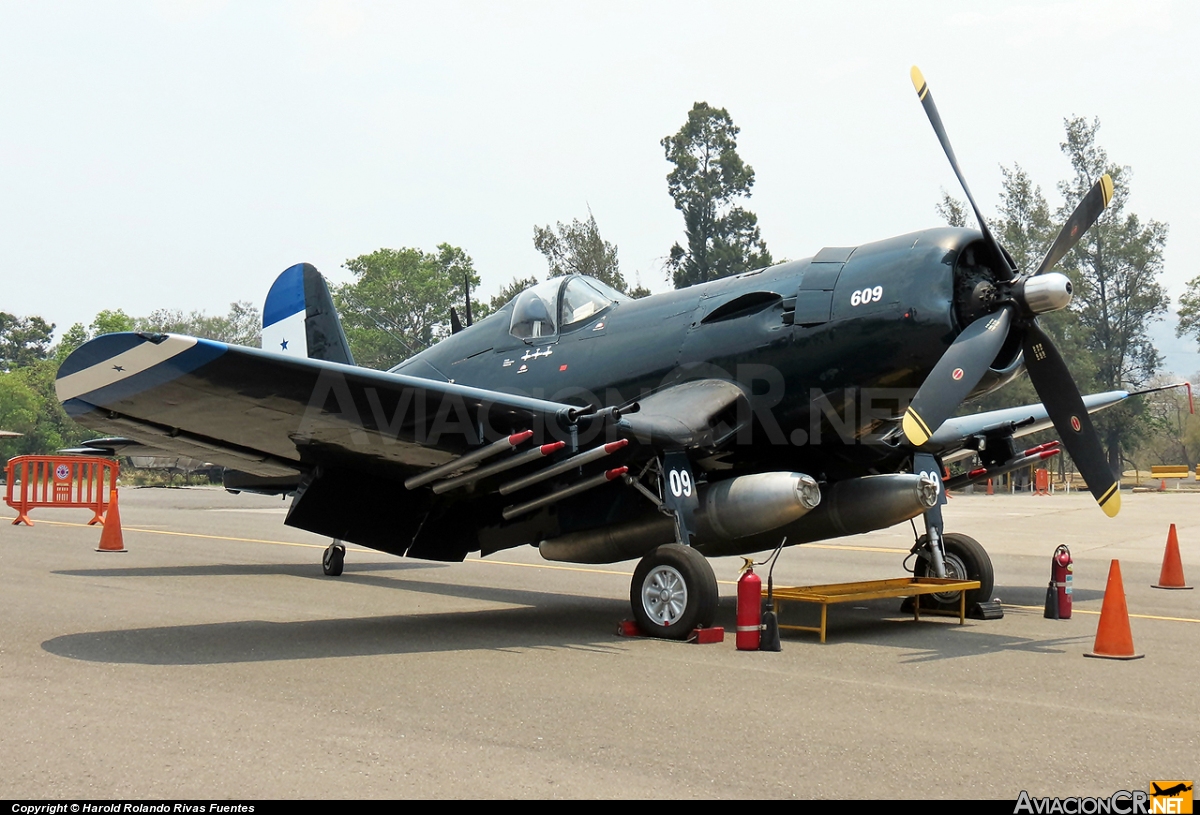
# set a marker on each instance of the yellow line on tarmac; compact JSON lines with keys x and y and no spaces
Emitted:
{"x":193,"y":535}
{"x":548,"y":566}
{"x":1097,"y":614}
{"x":891,"y":550}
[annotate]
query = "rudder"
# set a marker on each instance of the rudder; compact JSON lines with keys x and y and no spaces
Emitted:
{"x":299,"y":318}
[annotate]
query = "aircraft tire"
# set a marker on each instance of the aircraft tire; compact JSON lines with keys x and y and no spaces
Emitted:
{"x":965,"y":559}
{"x":673,"y":592}
{"x":334,"y":559}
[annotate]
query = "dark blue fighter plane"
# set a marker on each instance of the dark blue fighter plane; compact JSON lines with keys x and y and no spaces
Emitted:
{"x":808,"y":400}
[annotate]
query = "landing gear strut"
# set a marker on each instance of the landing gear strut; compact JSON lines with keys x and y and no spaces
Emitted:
{"x":964,"y":559}
{"x":334,"y":559}
{"x":673,"y":592}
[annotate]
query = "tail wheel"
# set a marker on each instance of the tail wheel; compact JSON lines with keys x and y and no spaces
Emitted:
{"x":965,"y":560}
{"x":673,"y":592}
{"x":334,"y":559}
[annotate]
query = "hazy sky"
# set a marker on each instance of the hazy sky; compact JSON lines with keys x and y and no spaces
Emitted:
{"x":181,"y":154}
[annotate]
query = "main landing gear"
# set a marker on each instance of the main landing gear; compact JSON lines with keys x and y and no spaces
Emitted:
{"x":964,"y":559}
{"x":674,"y":591}
{"x":334,"y":559}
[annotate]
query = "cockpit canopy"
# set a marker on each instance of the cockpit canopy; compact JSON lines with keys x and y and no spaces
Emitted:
{"x":559,"y":304}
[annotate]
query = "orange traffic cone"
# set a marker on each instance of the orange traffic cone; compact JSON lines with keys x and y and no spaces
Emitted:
{"x":1171,"y":576}
{"x":111,"y":539}
{"x":1114,"y":640}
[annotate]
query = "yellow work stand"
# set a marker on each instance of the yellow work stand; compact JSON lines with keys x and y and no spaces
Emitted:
{"x":872,"y":590}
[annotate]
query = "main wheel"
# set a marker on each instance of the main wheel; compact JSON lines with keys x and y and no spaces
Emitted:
{"x":965,"y":560}
{"x":673,"y":592}
{"x":334,"y":559}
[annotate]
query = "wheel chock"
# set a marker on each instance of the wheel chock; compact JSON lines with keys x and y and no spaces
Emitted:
{"x":986,"y":610}
{"x":706,"y":636}
{"x":628,"y":628}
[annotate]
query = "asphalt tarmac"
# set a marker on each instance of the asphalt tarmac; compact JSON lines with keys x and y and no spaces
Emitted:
{"x":214,"y":660}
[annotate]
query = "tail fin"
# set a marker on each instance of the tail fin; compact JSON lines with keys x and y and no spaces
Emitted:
{"x":299,"y":318}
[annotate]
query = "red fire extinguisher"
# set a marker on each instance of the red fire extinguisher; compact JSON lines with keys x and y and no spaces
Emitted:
{"x":749,"y":608}
{"x":1058,"y":594}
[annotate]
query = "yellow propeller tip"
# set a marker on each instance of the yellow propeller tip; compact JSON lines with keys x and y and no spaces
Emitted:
{"x":918,"y":79}
{"x":1112,"y":505}
{"x":915,"y":430}
{"x":1106,"y":188}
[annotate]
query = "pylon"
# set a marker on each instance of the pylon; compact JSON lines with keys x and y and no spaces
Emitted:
{"x":1171,"y":576}
{"x":1114,"y":640}
{"x":991,"y":490}
{"x":111,"y":539}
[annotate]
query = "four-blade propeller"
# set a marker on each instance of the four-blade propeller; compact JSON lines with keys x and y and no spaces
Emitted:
{"x":1019,"y":300}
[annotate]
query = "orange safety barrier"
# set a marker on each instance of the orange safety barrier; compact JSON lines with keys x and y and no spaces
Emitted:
{"x":59,"y":481}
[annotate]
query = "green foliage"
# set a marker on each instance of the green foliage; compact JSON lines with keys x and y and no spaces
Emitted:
{"x":511,"y":290}
{"x":1189,"y":311}
{"x":111,"y":322}
{"x":1114,"y":270}
{"x":577,"y":248}
{"x":400,"y":302}
{"x":241,"y":326}
{"x":72,"y":338}
{"x":722,"y":238}
{"x":951,"y":210}
{"x":29,"y":405}
{"x":23,"y":340}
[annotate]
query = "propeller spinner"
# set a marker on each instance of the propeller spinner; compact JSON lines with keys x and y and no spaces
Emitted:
{"x":1014,"y":307}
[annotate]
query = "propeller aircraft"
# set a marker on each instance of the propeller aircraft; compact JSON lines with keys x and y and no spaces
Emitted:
{"x":807,"y":401}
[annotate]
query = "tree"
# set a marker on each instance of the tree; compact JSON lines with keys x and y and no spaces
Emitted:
{"x":1189,"y":311}
{"x":1115,"y":269}
{"x":577,"y":248}
{"x":722,"y":238}
{"x":111,"y":322}
{"x":400,"y":302}
{"x":106,"y":322}
{"x":511,"y":290}
{"x":23,"y":340}
{"x":241,"y":326}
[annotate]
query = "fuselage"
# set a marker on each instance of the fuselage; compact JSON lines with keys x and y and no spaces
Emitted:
{"x":828,"y":349}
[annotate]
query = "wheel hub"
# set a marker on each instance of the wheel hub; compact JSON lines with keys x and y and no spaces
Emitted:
{"x":664,"y":595}
{"x":955,"y":570}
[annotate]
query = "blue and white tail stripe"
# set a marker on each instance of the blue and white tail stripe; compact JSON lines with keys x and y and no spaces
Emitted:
{"x":284,"y":313}
{"x":300,"y":319}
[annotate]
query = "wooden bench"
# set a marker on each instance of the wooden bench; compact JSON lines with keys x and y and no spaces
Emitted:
{"x":871,"y":590}
{"x":1170,"y":471}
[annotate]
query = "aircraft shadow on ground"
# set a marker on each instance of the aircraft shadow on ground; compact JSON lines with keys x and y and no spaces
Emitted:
{"x":496,"y":594}
{"x":312,"y":570}
{"x":562,"y":622}
{"x":545,"y":619}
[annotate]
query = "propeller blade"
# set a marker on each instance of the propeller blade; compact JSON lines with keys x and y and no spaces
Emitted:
{"x":1081,"y":221}
{"x":1002,"y":269}
{"x":955,"y":375}
{"x":1058,"y":393}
